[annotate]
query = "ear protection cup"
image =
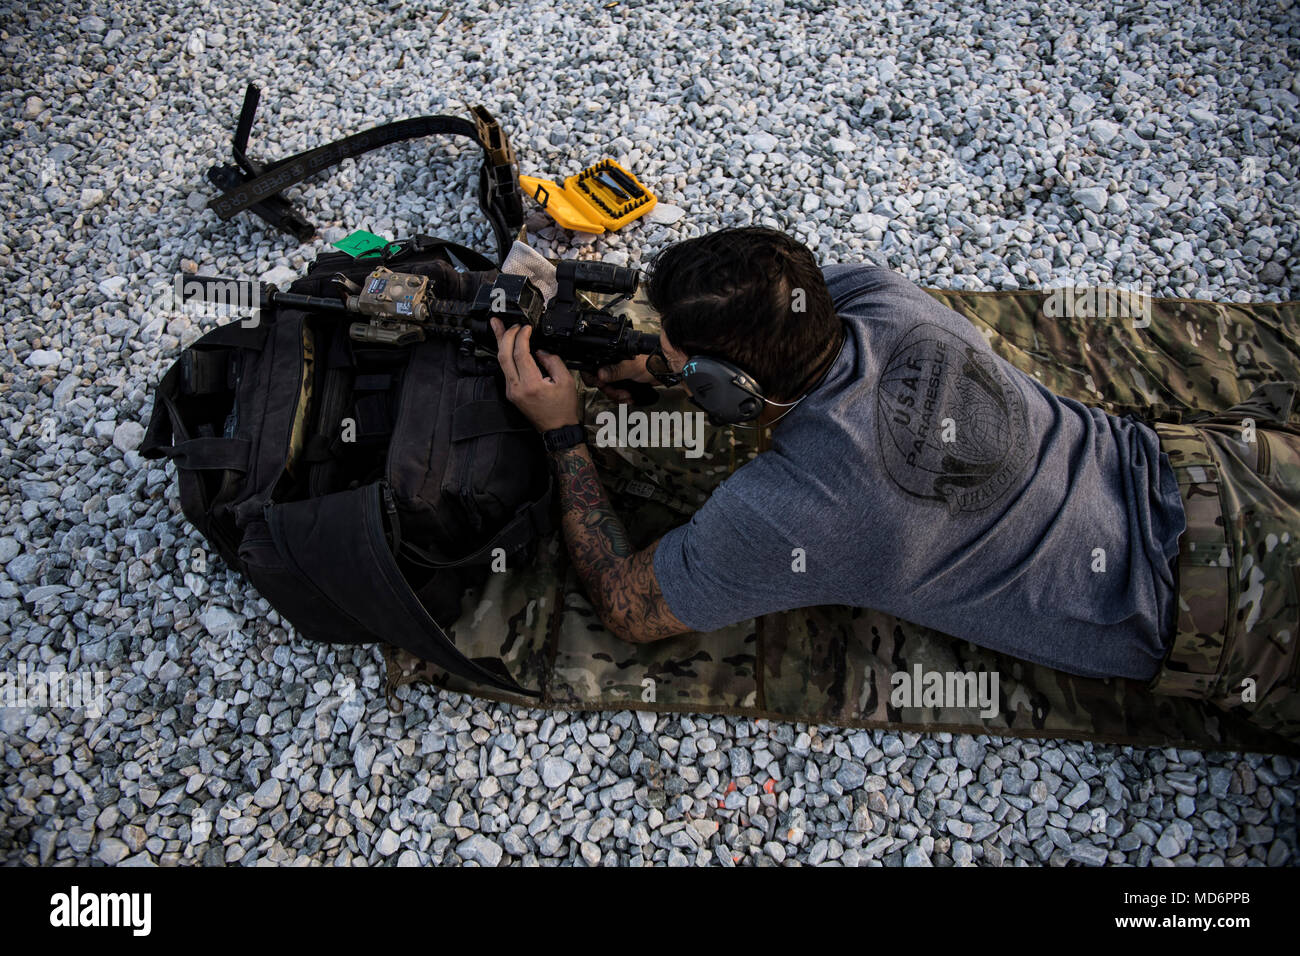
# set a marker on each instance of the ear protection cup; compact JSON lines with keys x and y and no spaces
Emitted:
{"x":724,"y":391}
{"x":730,"y":396}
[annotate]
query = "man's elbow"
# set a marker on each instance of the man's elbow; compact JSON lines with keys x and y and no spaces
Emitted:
{"x":636,"y":626}
{"x":631,"y":605}
{"x":628,"y":630}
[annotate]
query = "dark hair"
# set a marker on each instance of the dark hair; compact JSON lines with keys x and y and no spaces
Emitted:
{"x":730,"y":294}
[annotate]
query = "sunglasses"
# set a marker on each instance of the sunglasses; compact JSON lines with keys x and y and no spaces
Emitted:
{"x":657,"y":365}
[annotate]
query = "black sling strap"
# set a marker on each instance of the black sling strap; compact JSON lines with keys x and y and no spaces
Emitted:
{"x":258,"y":187}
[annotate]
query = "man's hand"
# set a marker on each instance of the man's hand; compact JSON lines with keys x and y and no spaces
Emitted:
{"x":541,"y":388}
{"x":633,"y":368}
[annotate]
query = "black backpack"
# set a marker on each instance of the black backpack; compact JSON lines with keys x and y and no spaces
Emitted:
{"x":360,"y":487}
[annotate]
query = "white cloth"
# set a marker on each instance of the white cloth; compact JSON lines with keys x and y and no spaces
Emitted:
{"x":524,"y":260}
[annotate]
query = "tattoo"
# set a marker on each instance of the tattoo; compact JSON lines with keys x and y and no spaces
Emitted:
{"x":619,"y":581}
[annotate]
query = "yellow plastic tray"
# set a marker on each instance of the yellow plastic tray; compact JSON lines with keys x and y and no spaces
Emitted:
{"x":585,"y":203}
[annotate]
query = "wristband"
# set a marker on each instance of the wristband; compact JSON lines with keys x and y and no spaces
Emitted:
{"x":558,"y":439}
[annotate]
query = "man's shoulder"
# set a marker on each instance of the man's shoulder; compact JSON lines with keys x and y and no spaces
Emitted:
{"x":861,"y":278}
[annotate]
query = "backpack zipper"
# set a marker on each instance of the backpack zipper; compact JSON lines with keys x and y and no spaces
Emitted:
{"x":390,"y":506}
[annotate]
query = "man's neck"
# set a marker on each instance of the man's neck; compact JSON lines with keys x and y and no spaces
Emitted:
{"x":823,"y":366}
{"x":814,"y":379}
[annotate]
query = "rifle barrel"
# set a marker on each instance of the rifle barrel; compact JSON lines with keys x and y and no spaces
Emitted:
{"x":308,"y":301}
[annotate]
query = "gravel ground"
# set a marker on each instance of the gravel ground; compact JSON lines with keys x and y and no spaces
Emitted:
{"x":1157,"y":149}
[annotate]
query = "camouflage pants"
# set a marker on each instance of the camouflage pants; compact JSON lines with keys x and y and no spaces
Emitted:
{"x":1239,"y":562}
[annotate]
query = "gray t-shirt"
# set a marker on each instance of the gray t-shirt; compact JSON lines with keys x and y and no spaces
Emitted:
{"x":929,"y":478}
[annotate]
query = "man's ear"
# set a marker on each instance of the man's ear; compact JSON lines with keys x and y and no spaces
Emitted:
{"x":674,"y":355}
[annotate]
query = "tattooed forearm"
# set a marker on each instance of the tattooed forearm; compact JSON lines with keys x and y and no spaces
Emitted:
{"x":619,"y":581}
{"x":597,"y":523}
{"x":580,"y":486}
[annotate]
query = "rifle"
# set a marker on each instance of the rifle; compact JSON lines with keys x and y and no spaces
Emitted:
{"x":400,"y":308}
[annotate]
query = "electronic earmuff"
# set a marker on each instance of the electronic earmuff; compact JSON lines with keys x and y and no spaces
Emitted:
{"x":724,"y":391}
{"x":729,"y":395}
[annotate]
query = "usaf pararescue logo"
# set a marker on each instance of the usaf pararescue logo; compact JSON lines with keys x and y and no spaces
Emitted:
{"x":933,"y":376}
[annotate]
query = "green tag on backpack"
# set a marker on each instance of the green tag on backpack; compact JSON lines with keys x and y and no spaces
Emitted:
{"x":361,"y":244}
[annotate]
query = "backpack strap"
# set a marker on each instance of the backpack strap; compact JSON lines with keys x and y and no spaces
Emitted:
{"x":258,"y":187}
{"x":203,"y":454}
{"x":199,"y":371}
{"x":163,"y":439}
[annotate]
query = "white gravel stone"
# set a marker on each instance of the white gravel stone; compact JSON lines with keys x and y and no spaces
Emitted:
{"x":665,"y":213}
{"x":556,"y":772}
{"x":388,"y":843}
{"x":113,"y":285}
{"x":43,"y":358}
{"x":268,"y":794}
{"x":127,"y":436}
{"x":218,"y":621}
{"x":1103,"y":131}
{"x":481,"y":850}
{"x":112,"y":851}
{"x":280,"y":276}
{"x":1092,"y":198}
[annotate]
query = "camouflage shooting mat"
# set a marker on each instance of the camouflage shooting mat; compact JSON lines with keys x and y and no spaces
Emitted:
{"x":833,"y":665}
